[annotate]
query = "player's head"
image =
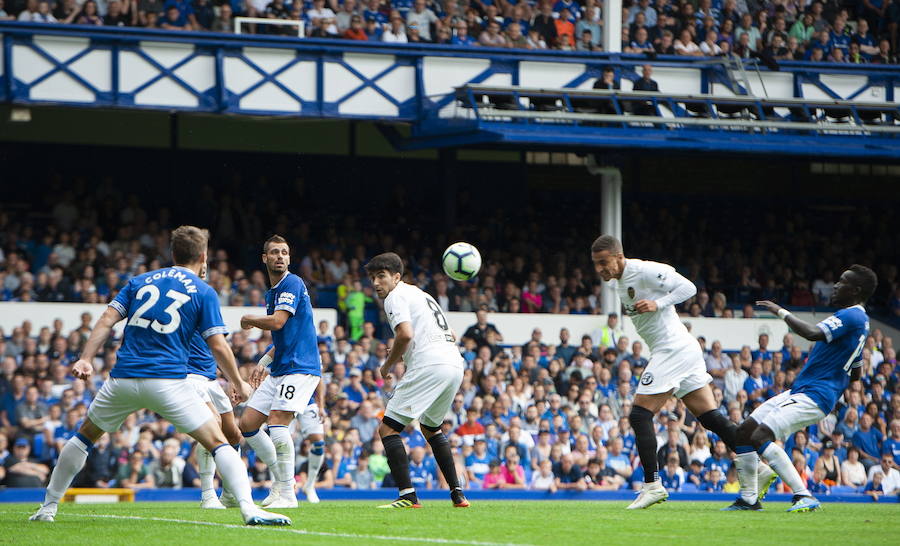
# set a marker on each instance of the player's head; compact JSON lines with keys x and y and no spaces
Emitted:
{"x":385,"y":271}
{"x":856,"y":285}
{"x":188,"y":246}
{"x":276,"y":254}
{"x":606,"y":253}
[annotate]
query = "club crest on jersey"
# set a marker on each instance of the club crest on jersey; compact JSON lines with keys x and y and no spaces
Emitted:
{"x":646,"y":378}
{"x":631,"y":292}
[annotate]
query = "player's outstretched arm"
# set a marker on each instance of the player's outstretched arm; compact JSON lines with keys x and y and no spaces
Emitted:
{"x":807,"y":331}
{"x":403,"y":334}
{"x":274,"y":321}
{"x":225,"y":359}
{"x":84,"y":367}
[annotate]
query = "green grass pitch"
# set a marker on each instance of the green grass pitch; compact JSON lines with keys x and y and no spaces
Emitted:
{"x":484,"y":524}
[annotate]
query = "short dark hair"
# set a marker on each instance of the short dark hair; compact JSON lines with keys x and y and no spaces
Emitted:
{"x":187,"y":244}
{"x":388,"y":261}
{"x":274,"y":239}
{"x":866,"y":280}
{"x":607,"y":242}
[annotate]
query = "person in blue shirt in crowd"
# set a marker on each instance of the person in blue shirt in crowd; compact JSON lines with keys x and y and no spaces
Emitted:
{"x":834,"y":361}
{"x":421,"y":473}
{"x":891,"y":444}
{"x":719,"y":460}
{"x":477,"y":462}
{"x":671,"y":475}
{"x":715,"y":481}
{"x":163,"y":308}
{"x":868,"y":439}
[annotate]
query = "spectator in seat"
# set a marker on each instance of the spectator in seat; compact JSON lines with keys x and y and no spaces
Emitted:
{"x":492,"y":37}
{"x":710,"y":46}
{"x":135,"y":474}
{"x":30,"y":12}
{"x":746,"y":27}
{"x":344,"y":17}
{"x":884,"y":56}
{"x":568,"y":474}
{"x":544,"y":479}
{"x":645,"y":83}
{"x":327,"y":16}
{"x":592,"y":25}
{"x":666,"y":45}
{"x":117,"y":15}
{"x":22,"y":470}
{"x":396,"y":34}
{"x":641,"y":42}
{"x":173,"y":20}
{"x":443,"y":35}
{"x":545,"y":24}
{"x":423,"y":18}
{"x":891,"y":477}
{"x":462,"y":37}
{"x":89,"y":14}
{"x":413,"y":36}
{"x":223,"y":22}
{"x":168,"y":469}
{"x":514,"y":36}
{"x":586,"y":42}
{"x":31,"y":413}
{"x":685,"y":45}
{"x":868,"y":440}
{"x":373,"y":29}
{"x":868,"y":46}
{"x":100,"y":468}
{"x":356,"y":32}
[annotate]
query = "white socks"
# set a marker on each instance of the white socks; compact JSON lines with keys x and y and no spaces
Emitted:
{"x":207,"y":469}
{"x":747,"y":465}
{"x":283,"y":471}
{"x":781,"y":463}
{"x":263,"y":447}
{"x":234,"y":475}
{"x":71,"y":461}
{"x":315,"y":463}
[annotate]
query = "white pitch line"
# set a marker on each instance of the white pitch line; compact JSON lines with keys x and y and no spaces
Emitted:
{"x":302,"y":531}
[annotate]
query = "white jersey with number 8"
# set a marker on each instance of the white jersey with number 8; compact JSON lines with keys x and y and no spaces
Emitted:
{"x":433,"y":342}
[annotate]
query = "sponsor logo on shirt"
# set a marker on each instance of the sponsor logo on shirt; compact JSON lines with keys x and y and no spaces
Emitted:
{"x":285,"y":298}
{"x":646,"y":378}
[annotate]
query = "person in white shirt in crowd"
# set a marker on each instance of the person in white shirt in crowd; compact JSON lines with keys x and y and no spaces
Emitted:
{"x":396,"y":33}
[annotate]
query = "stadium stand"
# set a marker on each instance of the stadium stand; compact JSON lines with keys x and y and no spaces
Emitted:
{"x":553,"y":408}
{"x":832,"y":31}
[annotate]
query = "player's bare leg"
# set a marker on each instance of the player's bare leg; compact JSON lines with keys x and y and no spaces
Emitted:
{"x":398,"y":461}
{"x":71,"y":461}
{"x":440,"y":446}
{"x":234,"y":475}
{"x":641,"y":419}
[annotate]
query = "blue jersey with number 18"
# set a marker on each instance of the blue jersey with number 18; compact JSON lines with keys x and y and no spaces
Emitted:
{"x":296,"y":344}
{"x":163,"y":309}
{"x":827,"y":370}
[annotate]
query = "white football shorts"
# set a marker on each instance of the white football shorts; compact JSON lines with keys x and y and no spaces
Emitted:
{"x":681,"y":371}
{"x":284,"y":393}
{"x":176,"y":400}
{"x":211,"y":392}
{"x":786,"y":413}
{"x":425,"y":394}
{"x":310,"y":421}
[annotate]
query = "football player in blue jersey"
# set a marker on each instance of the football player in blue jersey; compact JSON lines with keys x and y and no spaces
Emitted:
{"x":163,"y":308}
{"x":202,"y":375}
{"x":833,"y":362}
{"x":293,"y":372}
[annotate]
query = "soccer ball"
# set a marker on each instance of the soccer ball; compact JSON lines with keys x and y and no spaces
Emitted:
{"x":461,"y":261}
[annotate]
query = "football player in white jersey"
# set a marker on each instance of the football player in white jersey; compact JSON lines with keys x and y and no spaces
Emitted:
{"x":649,"y":291}
{"x":434,"y":371}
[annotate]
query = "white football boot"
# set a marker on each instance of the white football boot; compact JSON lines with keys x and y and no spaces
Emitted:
{"x":651,"y":493}
{"x":46,"y":512}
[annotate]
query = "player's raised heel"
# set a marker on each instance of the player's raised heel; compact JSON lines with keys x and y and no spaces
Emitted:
{"x":804,"y":504}
{"x":765,"y":477}
{"x":741,"y":504}
{"x":261,"y":517}
{"x":651,"y":493}
{"x":286,"y":499}
{"x":45,"y":513}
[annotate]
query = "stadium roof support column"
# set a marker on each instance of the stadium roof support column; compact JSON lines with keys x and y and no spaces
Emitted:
{"x":612,"y":26}
{"x":610,"y":220}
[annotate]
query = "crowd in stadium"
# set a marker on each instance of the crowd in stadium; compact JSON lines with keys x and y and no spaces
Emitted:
{"x":546,"y":415}
{"x":549,"y":415}
{"x":860,"y":31}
